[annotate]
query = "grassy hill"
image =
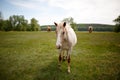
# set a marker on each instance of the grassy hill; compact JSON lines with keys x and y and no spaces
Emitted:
{"x":33,"y":56}
{"x":84,"y":27}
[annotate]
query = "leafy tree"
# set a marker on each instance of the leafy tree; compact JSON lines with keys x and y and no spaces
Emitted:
{"x":22,"y":23}
{"x":6,"y":26}
{"x":13,"y":22}
{"x":70,"y":20}
{"x":34,"y":25}
{"x":1,"y":24}
{"x":18,"y":22}
{"x":1,"y":21}
{"x":117,"y":26}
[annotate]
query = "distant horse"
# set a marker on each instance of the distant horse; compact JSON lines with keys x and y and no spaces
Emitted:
{"x":90,"y":29}
{"x":66,"y":39}
{"x":48,"y":28}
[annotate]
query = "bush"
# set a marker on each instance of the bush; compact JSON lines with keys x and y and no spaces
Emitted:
{"x":117,"y":28}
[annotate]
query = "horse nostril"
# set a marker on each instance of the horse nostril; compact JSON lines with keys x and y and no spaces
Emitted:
{"x":58,"y":47}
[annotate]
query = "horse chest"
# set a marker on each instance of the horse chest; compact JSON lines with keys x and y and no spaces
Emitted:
{"x":65,"y":45}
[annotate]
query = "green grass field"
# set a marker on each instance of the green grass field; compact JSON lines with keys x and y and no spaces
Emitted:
{"x":33,"y":56}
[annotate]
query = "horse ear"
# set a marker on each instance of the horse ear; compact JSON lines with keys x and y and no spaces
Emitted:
{"x":55,"y":23}
{"x":64,"y":24}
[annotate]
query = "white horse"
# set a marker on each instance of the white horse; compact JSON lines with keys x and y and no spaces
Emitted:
{"x":66,"y":39}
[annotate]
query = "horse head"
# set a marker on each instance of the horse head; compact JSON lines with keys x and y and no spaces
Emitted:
{"x":61,"y":33}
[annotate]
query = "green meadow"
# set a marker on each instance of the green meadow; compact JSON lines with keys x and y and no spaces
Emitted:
{"x":33,"y":56}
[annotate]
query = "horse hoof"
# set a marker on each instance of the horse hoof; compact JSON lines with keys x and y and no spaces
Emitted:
{"x":68,"y":71}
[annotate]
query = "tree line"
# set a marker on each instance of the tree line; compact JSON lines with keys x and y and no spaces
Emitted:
{"x":117,"y":25}
{"x":84,"y":27}
{"x":18,"y":23}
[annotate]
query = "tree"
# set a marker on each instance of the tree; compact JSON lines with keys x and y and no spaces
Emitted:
{"x":13,"y":22}
{"x":117,"y":26}
{"x":70,"y":20}
{"x":18,"y":23}
{"x":6,"y":26}
{"x":22,"y":23}
{"x":34,"y":25}
{"x":1,"y":21}
{"x":1,"y":24}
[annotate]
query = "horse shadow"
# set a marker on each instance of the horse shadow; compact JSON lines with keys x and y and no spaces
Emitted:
{"x":52,"y":72}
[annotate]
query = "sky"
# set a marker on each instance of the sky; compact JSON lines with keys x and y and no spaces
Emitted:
{"x":49,"y":11}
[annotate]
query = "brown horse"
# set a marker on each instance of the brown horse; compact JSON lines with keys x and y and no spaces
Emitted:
{"x":90,"y":29}
{"x":48,"y":28}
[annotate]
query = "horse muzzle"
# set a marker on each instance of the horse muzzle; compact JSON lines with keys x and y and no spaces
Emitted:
{"x":58,"y":47}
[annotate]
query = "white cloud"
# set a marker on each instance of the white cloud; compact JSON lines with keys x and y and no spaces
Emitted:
{"x":29,"y":4}
{"x":92,"y":11}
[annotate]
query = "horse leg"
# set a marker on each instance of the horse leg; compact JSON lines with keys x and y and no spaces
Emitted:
{"x":60,"y":59}
{"x":63,"y":56}
{"x":68,"y":59}
{"x":68,"y":63}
